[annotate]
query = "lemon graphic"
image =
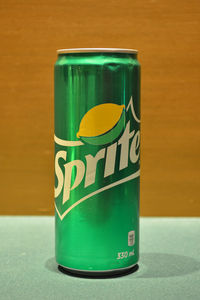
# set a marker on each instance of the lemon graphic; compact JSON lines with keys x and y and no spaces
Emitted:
{"x":102,"y":124}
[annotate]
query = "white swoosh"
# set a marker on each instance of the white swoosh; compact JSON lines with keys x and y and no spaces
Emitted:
{"x":132,"y":110}
{"x":109,"y":186}
{"x":67,"y":143}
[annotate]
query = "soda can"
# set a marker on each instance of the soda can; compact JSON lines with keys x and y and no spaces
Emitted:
{"x":97,"y":161}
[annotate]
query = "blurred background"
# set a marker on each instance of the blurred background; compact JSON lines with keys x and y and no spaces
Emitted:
{"x":167,"y":35}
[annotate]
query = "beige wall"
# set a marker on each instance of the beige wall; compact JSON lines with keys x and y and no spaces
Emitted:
{"x":166,"y":32}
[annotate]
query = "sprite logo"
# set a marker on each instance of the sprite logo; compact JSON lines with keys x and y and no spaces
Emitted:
{"x":101,"y":126}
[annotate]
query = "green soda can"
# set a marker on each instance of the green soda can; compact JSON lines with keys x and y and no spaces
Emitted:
{"x":97,"y":161}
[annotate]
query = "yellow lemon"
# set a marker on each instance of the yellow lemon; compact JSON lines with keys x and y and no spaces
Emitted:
{"x":100,"y":120}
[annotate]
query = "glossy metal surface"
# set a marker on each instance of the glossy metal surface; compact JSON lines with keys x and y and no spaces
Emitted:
{"x":99,"y":50}
{"x":94,"y":219}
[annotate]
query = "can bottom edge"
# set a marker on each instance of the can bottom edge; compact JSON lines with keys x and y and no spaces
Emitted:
{"x":99,"y":274}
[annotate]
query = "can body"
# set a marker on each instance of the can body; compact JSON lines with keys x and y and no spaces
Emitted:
{"x":97,"y":161}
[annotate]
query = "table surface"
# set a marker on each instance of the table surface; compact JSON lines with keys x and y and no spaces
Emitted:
{"x":169,"y":263}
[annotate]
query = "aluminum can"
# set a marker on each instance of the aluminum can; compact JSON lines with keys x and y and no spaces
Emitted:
{"x":97,"y":160}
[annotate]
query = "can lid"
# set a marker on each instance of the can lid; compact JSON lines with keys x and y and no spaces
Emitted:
{"x":88,"y":50}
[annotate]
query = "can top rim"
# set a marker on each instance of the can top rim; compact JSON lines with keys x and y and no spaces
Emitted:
{"x":89,"y":50}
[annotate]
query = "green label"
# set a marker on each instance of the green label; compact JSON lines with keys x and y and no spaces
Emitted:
{"x":105,"y":154}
